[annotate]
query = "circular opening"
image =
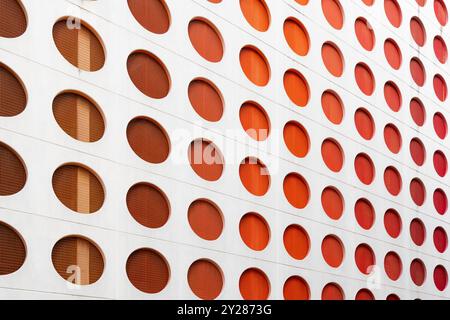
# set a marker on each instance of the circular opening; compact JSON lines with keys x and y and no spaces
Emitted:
{"x":12,"y":250}
{"x":440,"y":9}
{"x":392,"y":181}
{"x":417,"y":191}
{"x":332,"y":203}
{"x":440,"y":49}
{"x":440,"y":239}
{"x":392,"y":297}
{"x":296,"y":36}
{"x":254,"y":231}
{"x":13,"y":19}
{"x":13,"y":172}
{"x":79,"y":44}
{"x":78,"y":188}
{"x":205,"y":279}
{"x":206,"y":99}
{"x":332,"y":59}
{"x":296,"y":139}
{"x":296,"y":190}
{"x":417,"y":71}
{"x":393,"y":54}
{"x":332,"y":155}
{"x":13,"y":97}
{"x":418,"y":272}
{"x":440,"y":277}
{"x":393,"y":265}
{"x":148,"y":270}
{"x":440,"y":163}
{"x":364,"y":168}
{"x":393,"y":12}
{"x":332,"y":251}
{"x":148,"y":205}
{"x":206,"y":159}
{"x":365,"y":79}
{"x":440,"y":87}
{"x":296,"y":87}
{"x":78,"y":260}
{"x":148,"y":139}
{"x":333,"y":12}
{"x":148,"y":74}
{"x":205,"y":219}
{"x":364,"y":123}
{"x":417,"y":151}
{"x":332,"y":291}
{"x":440,"y":201}
{"x":364,"y":33}
{"x":440,"y":125}
{"x":392,"y":138}
{"x":255,"y":176}
{"x":418,"y":31}
{"x":364,"y":213}
{"x":153,"y":15}
{"x":417,"y":111}
{"x":393,"y":223}
{"x":393,"y":96}
{"x":254,"y":285}
{"x":417,"y":232}
{"x":255,"y":65}
{"x":364,"y":294}
{"x":79,"y":116}
{"x":296,"y":288}
{"x":364,"y":258}
{"x":256,"y":13}
{"x":254,"y":120}
{"x":296,"y":242}
{"x":332,"y":107}
{"x":206,"y":39}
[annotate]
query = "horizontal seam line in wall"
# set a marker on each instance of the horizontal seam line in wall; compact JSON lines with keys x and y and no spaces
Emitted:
{"x":56,"y":293}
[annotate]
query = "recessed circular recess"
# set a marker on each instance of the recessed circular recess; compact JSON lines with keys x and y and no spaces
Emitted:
{"x":364,"y":33}
{"x":296,"y":288}
{"x":302,"y":2}
{"x":332,"y":107}
{"x":148,"y":139}
{"x":440,"y":9}
{"x":256,"y":13}
{"x":332,"y":291}
{"x":365,"y":79}
{"x":296,"y":242}
{"x":332,"y":155}
{"x":364,"y":213}
{"x":364,"y":168}
{"x":255,"y":65}
{"x":392,"y":297}
{"x":296,"y":87}
{"x":417,"y":231}
{"x":78,"y":260}
{"x":254,"y":285}
{"x":12,"y":250}
{"x":393,"y":53}
{"x":78,"y":188}
{"x":147,"y":270}
{"x":148,"y":205}
{"x":296,"y":139}
{"x":13,"y":98}
{"x":364,"y":258}
{"x":296,"y":36}
{"x":368,"y":2}
{"x":393,"y":265}
{"x":332,"y":203}
{"x":255,"y":121}
{"x":79,"y":44}
{"x":440,"y":277}
{"x":12,"y":171}
{"x":440,"y":125}
{"x":417,"y":272}
{"x":364,"y":294}
{"x":440,"y":163}
{"x":418,"y":31}
{"x":332,"y":59}
{"x":417,"y":191}
{"x":417,"y":150}
{"x":153,"y":15}
{"x":206,"y":39}
{"x":254,"y":231}
{"x":440,"y":239}
{"x":440,"y":201}
{"x":206,"y":159}
{"x":417,"y":111}
{"x":392,"y":181}
{"x":148,"y":74}
{"x":393,"y":223}
{"x":13,"y":19}
{"x":205,"y":219}
{"x":333,"y":12}
{"x":392,"y":138}
{"x":393,"y":96}
{"x":332,"y":251}
{"x":205,"y":279}
{"x":440,"y":49}
{"x":206,"y":99}
{"x":79,"y":116}
{"x":296,"y":190}
{"x":393,"y":12}
{"x":417,"y":71}
{"x":440,"y":87}
{"x":254,"y":176}
{"x":364,"y":123}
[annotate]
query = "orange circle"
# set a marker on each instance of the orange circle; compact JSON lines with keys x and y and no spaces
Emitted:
{"x":296,"y":288}
{"x":418,"y":31}
{"x":13,"y":171}
{"x":254,"y":176}
{"x":440,"y":49}
{"x":364,"y":123}
{"x":254,"y":231}
{"x":332,"y":106}
{"x":254,"y":65}
{"x":296,"y":139}
{"x":332,"y":291}
{"x":417,"y":71}
{"x":393,"y":138}
{"x":296,"y":87}
{"x":199,"y":30}
{"x":393,"y":96}
{"x":153,"y":15}
{"x":364,"y":258}
{"x":392,"y":181}
{"x":332,"y":251}
{"x":332,"y":203}
{"x":12,"y":250}
{"x":364,"y":33}
{"x":393,"y":53}
{"x":13,"y":100}
{"x":254,"y":285}
{"x":332,"y":155}
{"x":440,"y":9}
{"x":13,"y":19}
{"x":296,"y":190}
{"x":206,"y":159}
{"x":206,"y":99}
{"x":256,"y":13}
{"x":364,"y":213}
{"x":417,"y":111}
{"x":364,"y":294}
{"x":365,"y":79}
{"x":205,"y":279}
{"x":296,"y":36}
{"x":254,"y":121}
{"x":332,"y":59}
{"x":417,"y":150}
{"x":393,"y":12}
{"x":333,"y":12}
{"x":296,"y":242}
{"x":205,"y":219}
{"x":393,"y":265}
{"x":364,"y":168}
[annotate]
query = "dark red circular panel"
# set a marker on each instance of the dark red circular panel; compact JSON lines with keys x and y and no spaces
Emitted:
{"x":417,"y":111}
{"x":364,"y":213}
{"x":440,"y":277}
{"x":393,"y":223}
{"x":364,"y":258}
{"x":417,"y":150}
{"x":418,"y":272}
{"x":440,"y":125}
{"x":417,"y":191}
{"x":440,"y":201}
{"x":417,"y":232}
{"x":440,"y":239}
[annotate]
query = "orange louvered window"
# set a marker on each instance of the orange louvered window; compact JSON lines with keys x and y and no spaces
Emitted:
{"x":78,"y":44}
{"x":12,"y":250}
{"x":78,"y":188}
{"x":12,"y":172}
{"x":78,"y":116}
{"x":13,"y":98}
{"x":13,"y":20}
{"x":147,"y":270}
{"x":153,"y":15}
{"x":77,"y":260}
{"x":205,"y":279}
{"x":205,"y":219}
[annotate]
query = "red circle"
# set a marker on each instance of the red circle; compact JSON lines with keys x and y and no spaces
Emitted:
{"x":393,"y":96}
{"x":332,"y":291}
{"x":440,"y":163}
{"x":440,"y":49}
{"x":440,"y":125}
{"x":440,"y":201}
{"x":392,"y":181}
{"x":364,"y":33}
{"x":364,"y":213}
{"x":417,"y":191}
{"x":393,"y":138}
{"x":332,"y":251}
{"x":393,"y":12}
{"x":417,"y":151}
{"x":440,"y":277}
{"x":364,"y":123}
{"x":440,"y":87}
{"x":332,"y":203}
{"x":418,"y":272}
{"x":417,"y":71}
{"x":418,"y":31}
{"x":393,"y":53}
{"x":393,"y":265}
{"x":296,"y":288}
{"x":440,"y":239}
{"x":393,"y":223}
{"x":332,"y":59}
{"x":364,"y":294}
{"x":364,"y":258}
{"x":440,"y":9}
{"x":417,"y":111}
{"x":332,"y":155}
{"x":417,"y":231}
{"x":364,"y":168}
{"x":365,"y":79}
